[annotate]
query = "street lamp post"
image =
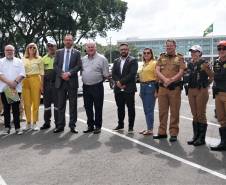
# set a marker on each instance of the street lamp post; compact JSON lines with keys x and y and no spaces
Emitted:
{"x":1,"y":53}
{"x":110,"y":51}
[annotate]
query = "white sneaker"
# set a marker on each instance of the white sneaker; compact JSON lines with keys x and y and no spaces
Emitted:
{"x":27,"y":127}
{"x":35,"y":127}
{"x":6,"y":131}
{"x":19,"y":131}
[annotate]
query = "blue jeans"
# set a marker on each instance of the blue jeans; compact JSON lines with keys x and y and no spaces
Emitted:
{"x":147,"y":94}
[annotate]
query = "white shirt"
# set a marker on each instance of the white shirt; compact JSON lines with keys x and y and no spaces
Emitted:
{"x":65,"y":53}
{"x":11,"y":69}
{"x":122,"y":62}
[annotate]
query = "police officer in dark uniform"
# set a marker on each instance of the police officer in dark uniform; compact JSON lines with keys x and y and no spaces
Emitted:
{"x":219,"y":68}
{"x":197,"y":79}
{"x":49,"y":94}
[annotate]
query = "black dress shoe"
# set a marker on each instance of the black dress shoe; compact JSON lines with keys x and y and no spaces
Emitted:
{"x":160,"y":136}
{"x":173,"y":138}
{"x":89,"y":129}
{"x":97,"y":130}
{"x":45,"y":126}
{"x":74,"y":131}
{"x":118,"y":128}
{"x":57,"y":130}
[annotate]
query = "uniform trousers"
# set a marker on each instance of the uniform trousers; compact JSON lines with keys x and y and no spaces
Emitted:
{"x":198,"y":98}
{"x":31,"y":93}
{"x":169,"y":99}
{"x":49,"y":97}
{"x":220,"y":102}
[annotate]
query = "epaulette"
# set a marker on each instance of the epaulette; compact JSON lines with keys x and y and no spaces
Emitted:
{"x":180,"y":54}
{"x":162,"y":54}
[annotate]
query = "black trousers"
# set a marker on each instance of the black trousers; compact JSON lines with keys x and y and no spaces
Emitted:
{"x":7,"y":112}
{"x":63,"y":92}
{"x":123,"y":98}
{"x":49,"y":97}
{"x":93,"y":96}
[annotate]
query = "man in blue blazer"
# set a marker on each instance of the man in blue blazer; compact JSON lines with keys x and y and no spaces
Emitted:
{"x":67,"y":64}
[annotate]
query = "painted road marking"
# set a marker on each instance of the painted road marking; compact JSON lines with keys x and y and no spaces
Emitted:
{"x":2,"y":182}
{"x":195,"y":165}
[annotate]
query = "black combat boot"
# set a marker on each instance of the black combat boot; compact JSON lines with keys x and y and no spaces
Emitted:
{"x":201,"y":134}
{"x":195,"y":133}
{"x":222,"y":145}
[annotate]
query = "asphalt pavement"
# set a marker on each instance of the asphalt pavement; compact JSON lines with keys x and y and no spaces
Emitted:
{"x":112,"y":158}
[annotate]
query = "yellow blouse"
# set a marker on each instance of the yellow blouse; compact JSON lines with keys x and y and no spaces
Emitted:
{"x":147,"y":73}
{"x":34,"y":66}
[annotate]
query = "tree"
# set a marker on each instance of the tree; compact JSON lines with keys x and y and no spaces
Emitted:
{"x":33,"y":21}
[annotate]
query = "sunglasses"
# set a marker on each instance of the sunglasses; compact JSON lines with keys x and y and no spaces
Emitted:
{"x":32,"y":47}
{"x":50,"y":46}
{"x":146,"y":53}
{"x":221,"y":48}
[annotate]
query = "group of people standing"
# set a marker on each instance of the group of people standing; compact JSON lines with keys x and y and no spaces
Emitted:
{"x":56,"y":76}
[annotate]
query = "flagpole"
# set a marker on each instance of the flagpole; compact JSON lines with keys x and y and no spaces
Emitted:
{"x":212,"y":48}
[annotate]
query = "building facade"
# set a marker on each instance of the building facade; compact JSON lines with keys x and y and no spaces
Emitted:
{"x":209,"y":44}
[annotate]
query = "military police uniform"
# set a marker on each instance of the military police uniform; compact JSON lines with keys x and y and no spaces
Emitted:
{"x":50,"y":95}
{"x":220,"y":100}
{"x":169,"y":96}
{"x":197,"y":78}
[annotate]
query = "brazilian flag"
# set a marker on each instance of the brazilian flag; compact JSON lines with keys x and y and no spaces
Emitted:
{"x":208,"y":30}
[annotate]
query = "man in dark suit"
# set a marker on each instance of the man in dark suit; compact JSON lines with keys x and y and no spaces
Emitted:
{"x":124,"y":74}
{"x":67,"y":63}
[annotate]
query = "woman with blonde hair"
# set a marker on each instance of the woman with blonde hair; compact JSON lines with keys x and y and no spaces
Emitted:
{"x":148,"y":79}
{"x":32,"y":85}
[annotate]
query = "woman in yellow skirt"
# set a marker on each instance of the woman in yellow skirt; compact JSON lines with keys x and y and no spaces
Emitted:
{"x":32,"y":85}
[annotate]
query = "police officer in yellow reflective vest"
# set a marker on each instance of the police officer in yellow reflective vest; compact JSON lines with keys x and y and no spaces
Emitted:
{"x":198,"y":77}
{"x":219,"y":90}
{"x":49,"y":94}
{"x":169,"y":69}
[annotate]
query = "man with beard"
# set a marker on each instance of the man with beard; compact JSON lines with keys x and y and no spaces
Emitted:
{"x":124,"y":74}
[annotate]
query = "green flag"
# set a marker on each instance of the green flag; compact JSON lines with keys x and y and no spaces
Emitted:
{"x":208,"y":30}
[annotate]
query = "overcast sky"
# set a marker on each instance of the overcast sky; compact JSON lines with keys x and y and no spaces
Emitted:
{"x":170,"y":18}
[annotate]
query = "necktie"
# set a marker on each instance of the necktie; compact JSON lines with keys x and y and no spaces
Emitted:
{"x":66,"y":67}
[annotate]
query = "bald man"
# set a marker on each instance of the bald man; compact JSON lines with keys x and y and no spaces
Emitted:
{"x":94,"y":71}
{"x":12,"y":72}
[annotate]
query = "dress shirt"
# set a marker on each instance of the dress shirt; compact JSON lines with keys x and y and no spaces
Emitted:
{"x":122,"y":62}
{"x":94,"y":69}
{"x":11,"y":69}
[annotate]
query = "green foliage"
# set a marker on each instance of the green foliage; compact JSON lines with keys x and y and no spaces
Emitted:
{"x":32,"y":21}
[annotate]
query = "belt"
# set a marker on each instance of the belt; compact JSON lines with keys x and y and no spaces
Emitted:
{"x":148,"y":82}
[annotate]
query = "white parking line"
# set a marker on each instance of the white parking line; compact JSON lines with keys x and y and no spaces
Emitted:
{"x":2,"y":182}
{"x":183,"y":117}
{"x":195,"y":165}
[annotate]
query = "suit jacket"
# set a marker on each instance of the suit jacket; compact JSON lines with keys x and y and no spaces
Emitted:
{"x":74,"y":67}
{"x":128,"y":75}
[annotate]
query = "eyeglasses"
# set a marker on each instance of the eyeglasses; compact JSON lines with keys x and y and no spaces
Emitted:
{"x":50,"y":46}
{"x":146,"y":53}
{"x":32,"y":47}
{"x":221,"y":48}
